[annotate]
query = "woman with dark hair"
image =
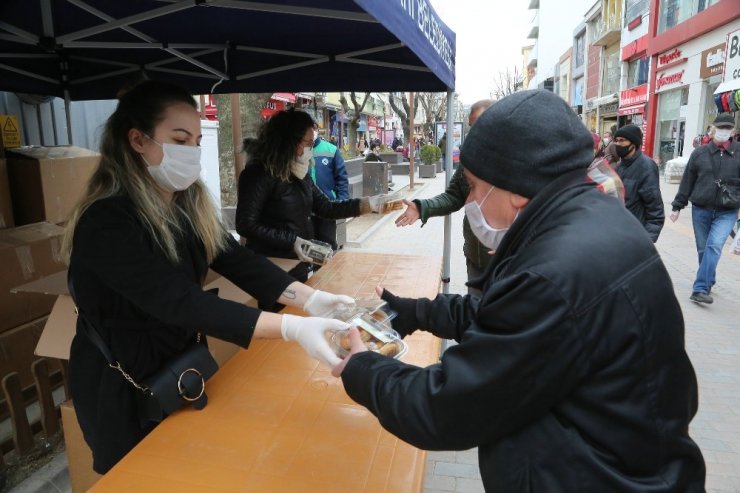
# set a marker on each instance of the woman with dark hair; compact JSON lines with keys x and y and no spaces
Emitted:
{"x":277,"y":195}
{"x":139,"y":244}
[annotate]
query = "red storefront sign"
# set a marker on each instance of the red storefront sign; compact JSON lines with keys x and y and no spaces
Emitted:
{"x":271,"y":107}
{"x":665,"y":80}
{"x":670,"y":59}
{"x":633,"y":100}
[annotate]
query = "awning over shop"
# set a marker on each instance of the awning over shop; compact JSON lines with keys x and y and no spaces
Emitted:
{"x":727,"y":86}
{"x":286,"y":97}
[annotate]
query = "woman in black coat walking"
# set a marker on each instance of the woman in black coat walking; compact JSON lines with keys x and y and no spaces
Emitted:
{"x":139,"y":245}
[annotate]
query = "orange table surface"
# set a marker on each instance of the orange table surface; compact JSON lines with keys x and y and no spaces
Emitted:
{"x":277,"y":421}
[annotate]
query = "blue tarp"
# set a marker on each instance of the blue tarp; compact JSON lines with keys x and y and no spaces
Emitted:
{"x":90,"y":49}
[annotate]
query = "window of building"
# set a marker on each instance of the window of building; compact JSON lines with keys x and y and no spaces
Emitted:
{"x":612,"y":72}
{"x":674,"y":12}
{"x":638,"y":72}
{"x":580,"y":50}
{"x":634,"y":9}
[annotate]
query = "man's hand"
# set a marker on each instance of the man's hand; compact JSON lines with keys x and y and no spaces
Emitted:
{"x":410,"y":215}
{"x":674,"y":216}
{"x":357,"y":346}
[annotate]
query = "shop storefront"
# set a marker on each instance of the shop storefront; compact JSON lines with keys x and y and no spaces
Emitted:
{"x":672,"y":97}
{"x":608,"y":117}
{"x":632,"y":105}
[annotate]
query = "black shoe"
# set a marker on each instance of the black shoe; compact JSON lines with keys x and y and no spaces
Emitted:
{"x":701,"y":298}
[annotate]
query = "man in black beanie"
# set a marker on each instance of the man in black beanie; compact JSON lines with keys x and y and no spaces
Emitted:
{"x":641,"y":180}
{"x":570,"y":373}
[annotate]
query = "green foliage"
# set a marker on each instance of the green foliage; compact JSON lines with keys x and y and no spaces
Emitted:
{"x":430,"y":154}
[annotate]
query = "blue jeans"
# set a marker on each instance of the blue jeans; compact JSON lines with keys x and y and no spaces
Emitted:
{"x":711,"y":229}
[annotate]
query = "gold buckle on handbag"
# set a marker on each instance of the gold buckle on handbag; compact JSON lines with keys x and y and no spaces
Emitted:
{"x":181,"y":390}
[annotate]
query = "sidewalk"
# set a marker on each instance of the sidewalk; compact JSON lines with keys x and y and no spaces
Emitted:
{"x":712,"y":341}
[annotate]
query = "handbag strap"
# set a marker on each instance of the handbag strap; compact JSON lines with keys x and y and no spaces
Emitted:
{"x":94,"y":336}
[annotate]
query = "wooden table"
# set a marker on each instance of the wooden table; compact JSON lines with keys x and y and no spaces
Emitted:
{"x":277,"y":421}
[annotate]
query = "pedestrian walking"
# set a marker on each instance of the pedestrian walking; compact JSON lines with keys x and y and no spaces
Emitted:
{"x":710,"y":165}
{"x":641,"y":180}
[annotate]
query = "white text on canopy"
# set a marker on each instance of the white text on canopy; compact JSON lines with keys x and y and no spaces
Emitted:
{"x":421,"y":12}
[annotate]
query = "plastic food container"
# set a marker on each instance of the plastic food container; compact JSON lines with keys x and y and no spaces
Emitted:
{"x":377,"y":336}
{"x":390,"y":202}
{"x":318,"y":251}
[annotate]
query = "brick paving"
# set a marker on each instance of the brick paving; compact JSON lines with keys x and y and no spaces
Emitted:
{"x":712,"y":341}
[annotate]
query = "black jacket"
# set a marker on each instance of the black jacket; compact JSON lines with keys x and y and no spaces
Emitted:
{"x":271,"y":213}
{"x":642,"y":196}
{"x":698,"y":181}
{"x":147,"y":310}
{"x":570,"y":374}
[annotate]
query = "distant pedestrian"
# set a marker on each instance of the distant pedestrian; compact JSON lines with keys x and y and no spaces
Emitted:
{"x":641,"y":180}
{"x":709,"y":163}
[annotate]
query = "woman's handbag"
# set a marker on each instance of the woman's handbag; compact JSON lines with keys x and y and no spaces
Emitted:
{"x":178,"y":383}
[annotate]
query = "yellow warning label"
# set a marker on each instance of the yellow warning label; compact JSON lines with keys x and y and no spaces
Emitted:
{"x":10,"y":131}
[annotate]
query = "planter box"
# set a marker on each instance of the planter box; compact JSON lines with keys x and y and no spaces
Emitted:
{"x":427,"y":171}
{"x":400,"y":169}
{"x":440,"y":165}
{"x":392,"y":157}
{"x":374,"y":178}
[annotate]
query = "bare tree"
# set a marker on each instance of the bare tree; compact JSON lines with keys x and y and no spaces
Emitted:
{"x":435,"y":109}
{"x":250,"y":106}
{"x":507,"y":82}
{"x":402,"y":111}
{"x":353,"y":116}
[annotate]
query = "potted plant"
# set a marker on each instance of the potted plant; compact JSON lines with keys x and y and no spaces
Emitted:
{"x":429,"y":155}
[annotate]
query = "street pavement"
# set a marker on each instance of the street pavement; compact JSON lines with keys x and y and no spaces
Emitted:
{"x":712,"y":342}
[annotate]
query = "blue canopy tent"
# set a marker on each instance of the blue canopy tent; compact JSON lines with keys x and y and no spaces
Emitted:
{"x":90,"y":49}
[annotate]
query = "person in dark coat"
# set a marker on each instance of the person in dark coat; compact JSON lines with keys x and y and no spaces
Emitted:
{"x":277,"y":195}
{"x":139,"y":245}
{"x":641,"y":180}
{"x":713,"y":223}
{"x":571,"y":372}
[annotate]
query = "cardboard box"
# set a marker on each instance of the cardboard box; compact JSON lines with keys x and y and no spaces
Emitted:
{"x":17,"y":351}
{"x":6,"y":205}
{"x":27,"y":253}
{"x":47,"y":182}
{"x":79,"y":455}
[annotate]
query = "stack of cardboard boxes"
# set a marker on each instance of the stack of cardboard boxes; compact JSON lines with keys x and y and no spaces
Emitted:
{"x":39,"y":187}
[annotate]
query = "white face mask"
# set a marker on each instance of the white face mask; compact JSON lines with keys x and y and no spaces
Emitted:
{"x":299,"y":165}
{"x":315,"y":135}
{"x":179,"y":169}
{"x":722,"y":134}
{"x":488,"y":236}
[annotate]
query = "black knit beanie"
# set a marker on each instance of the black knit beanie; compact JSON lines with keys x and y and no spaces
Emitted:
{"x":525,"y":141}
{"x":631,"y":133}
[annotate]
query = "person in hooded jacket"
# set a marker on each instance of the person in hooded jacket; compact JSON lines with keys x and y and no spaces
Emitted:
{"x":277,"y":195}
{"x":571,"y":373}
{"x":641,"y":180}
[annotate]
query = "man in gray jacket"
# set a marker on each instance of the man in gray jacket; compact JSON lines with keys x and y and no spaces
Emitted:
{"x":570,"y":374}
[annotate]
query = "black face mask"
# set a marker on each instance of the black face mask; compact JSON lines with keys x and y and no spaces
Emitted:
{"x":622,"y":151}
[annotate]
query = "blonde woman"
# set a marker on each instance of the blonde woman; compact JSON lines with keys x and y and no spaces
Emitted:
{"x":139,"y":245}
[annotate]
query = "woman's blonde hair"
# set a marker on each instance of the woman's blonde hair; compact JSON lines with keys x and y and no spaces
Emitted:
{"x":122,"y":172}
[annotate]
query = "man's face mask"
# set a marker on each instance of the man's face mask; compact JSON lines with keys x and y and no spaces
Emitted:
{"x":488,"y":236}
{"x":722,"y":134}
{"x":622,"y":151}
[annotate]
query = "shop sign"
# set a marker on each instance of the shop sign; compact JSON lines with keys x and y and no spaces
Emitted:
{"x":633,"y":96}
{"x":669,"y":79}
{"x":712,"y":61}
{"x":668,"y":58}
{"x":632,"y":110}
{"x":609,"y":108}
{"x":732,"y":59}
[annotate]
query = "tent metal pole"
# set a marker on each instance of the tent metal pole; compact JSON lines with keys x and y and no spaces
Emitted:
{"x":412,"y":141}
{"x":68,"y":115}
{"x":449,"y":141}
